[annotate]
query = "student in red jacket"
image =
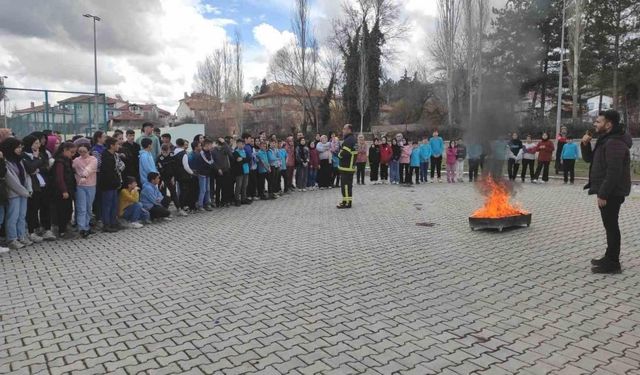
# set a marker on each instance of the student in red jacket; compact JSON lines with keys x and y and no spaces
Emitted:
{"x":385,"y":158}
{"x":544,"y":148}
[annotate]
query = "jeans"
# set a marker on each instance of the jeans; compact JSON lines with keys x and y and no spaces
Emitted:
{"x":569,"y":169}
{"x":527,"y":163}
{"x":404,"y":173}
{"x":373,"y":173}
{"x":424,"y":171}
{"x":609,"y":215}
{"x":311,"y":178}
{"x":459,"y":169}
{"x":384,"y":172}
{"x":16,"y":223}
{"x":474,"y":165}
{"x":413,"y":170}
{"x":109,"y":206}
{"x":241,"y":188}
{"x":451,"y":172}
{"x":39,"y":211}
{"x":84,"y":201}
{"x":301,"y":177}
{"x":544,"y":167}
{"x":360,"y":172}
{"x":512,"y":167}
{"x":324,"y":174}
{"x":135,"y":212}
{"x":204,"y":195}
{"x":394,"y":171}
{"x":436,"y":166}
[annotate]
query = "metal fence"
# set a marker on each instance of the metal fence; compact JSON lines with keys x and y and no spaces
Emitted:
{"x":66,"y":112}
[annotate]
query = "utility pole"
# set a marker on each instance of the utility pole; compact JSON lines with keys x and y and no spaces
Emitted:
{"x":4,"y":98}
{"x":560,"y":70}
{"x":95,"y":68}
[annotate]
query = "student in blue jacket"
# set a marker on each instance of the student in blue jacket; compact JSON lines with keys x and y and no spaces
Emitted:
{"x":437,"y":148}
{"x":414,"y":164}
{"x":425,"y":157}
{"x":145,"y":159}
{"x":152,"y":199}
{"x":568,"y":160}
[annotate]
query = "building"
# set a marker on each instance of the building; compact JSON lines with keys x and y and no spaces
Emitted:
{"x":598,"y":103}
{"x":45,"y":116}
{"x":198,"y":107}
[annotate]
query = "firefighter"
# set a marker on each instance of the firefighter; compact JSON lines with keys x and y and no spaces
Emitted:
{"x":346,"y":166}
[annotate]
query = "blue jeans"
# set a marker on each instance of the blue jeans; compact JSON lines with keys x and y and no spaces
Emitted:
{"x":109,"y":206}
{"x":16,"y":224}
{"x":84,"y":203}
{"x":394,"y":171}
{"x":424,"y":171}
{"x":204,"y":195}
{"x":311,"y":179}
{"x":135,"y":212}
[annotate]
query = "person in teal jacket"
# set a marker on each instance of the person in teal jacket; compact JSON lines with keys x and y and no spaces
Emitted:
{"x":146,"y":161}
{"x":425,"y":157}
{"x":568,"y":160}
{"x":283,"y":171}
{"x":414,"y":164}
{"x":437,"y":148}
{"x":263,"y":168}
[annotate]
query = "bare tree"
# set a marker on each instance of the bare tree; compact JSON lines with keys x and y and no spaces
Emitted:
{"x":470,"y":41}
{"x":238,"y":80}
{"x":297,"y":65}
{"x":576,"y":38}
{"x":446,"y":44}
{"x":484,"y":17}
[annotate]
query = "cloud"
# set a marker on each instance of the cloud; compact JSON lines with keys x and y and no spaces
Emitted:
{"x":271,"y":38}
{"x":147,"y":51}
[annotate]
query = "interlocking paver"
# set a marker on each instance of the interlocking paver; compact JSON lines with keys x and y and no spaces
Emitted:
{"x":396,"y":298}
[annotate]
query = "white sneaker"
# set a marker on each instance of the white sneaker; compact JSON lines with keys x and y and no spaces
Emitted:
{"x":135,"y":225}
{"x":48,"y":236}
{"x":15,"y":245}
{"x":4,"y":250}
{"x":182,"y":213}
{"x":167,"y":219}
{"x":35,"y":238}
{"x":25,"y":241}
{"x":304,"y":190}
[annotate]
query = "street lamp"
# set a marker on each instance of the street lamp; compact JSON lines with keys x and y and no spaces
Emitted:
{"x":95,"y":66}
{"x":561,"y":69}
{"x":4,"y":98}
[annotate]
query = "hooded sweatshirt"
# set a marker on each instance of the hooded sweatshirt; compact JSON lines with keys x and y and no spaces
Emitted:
{"x":147,"y":164}
{"x":385,"y":153}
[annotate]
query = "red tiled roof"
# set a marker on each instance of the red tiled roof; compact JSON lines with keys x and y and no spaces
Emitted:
{"x":78,"y":99}
{"x":127,"y":116}
{"x":278,"y":89}
{"x":40,"y":108}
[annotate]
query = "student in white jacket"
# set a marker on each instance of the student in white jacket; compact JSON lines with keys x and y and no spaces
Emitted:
{"x":528,"y":159}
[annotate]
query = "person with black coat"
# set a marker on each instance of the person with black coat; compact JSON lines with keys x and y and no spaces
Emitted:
{"x":39,"y":204}
{"x":64,"y":188}
{"x":374,"y":161}
{"x":131,"y":150}
{"x":610,"y":180}
{"x":109,"y":181}
{"x":346,"y":166}
{"x":222,"y":156}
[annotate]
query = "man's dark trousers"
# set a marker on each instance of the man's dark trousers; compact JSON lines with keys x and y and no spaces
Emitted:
{"x":609,"y":214}
{"x":346,"y":187}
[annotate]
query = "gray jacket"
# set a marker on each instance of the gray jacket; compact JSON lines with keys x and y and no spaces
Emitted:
{"x":14,"y":187}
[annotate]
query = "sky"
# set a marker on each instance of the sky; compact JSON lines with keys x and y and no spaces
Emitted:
{"x":148,"y":50}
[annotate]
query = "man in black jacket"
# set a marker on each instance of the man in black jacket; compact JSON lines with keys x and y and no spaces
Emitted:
{"x":109,"y":181}
{"x":610,"y":180}
{"x":346,"y":167}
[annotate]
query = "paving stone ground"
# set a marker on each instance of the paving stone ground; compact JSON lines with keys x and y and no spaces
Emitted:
{"x":295,"y":286}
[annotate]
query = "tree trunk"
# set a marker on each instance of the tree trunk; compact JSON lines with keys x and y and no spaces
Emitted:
{"x":577,"y":36}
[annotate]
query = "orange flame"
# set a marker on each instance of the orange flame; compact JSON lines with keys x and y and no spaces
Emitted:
{"x":497,"y":203}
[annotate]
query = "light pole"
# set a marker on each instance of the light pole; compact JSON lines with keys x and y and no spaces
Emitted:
{"x":95,"y":67}
{"x":4,"y":98}
{"x":561,"y":65}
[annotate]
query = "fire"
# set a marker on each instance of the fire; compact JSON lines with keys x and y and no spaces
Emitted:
{"x":497,"y":203}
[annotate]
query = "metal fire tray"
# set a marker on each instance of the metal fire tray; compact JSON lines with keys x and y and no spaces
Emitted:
{"x":500,"y":223}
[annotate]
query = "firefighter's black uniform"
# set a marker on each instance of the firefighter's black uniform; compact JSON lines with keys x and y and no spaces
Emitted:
{"x":346,"y":168}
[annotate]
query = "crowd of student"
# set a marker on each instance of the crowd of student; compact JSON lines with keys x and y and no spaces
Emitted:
{"x":116,"y":182}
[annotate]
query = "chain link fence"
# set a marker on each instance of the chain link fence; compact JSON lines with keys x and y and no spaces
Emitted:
{"x":66,"y":112}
